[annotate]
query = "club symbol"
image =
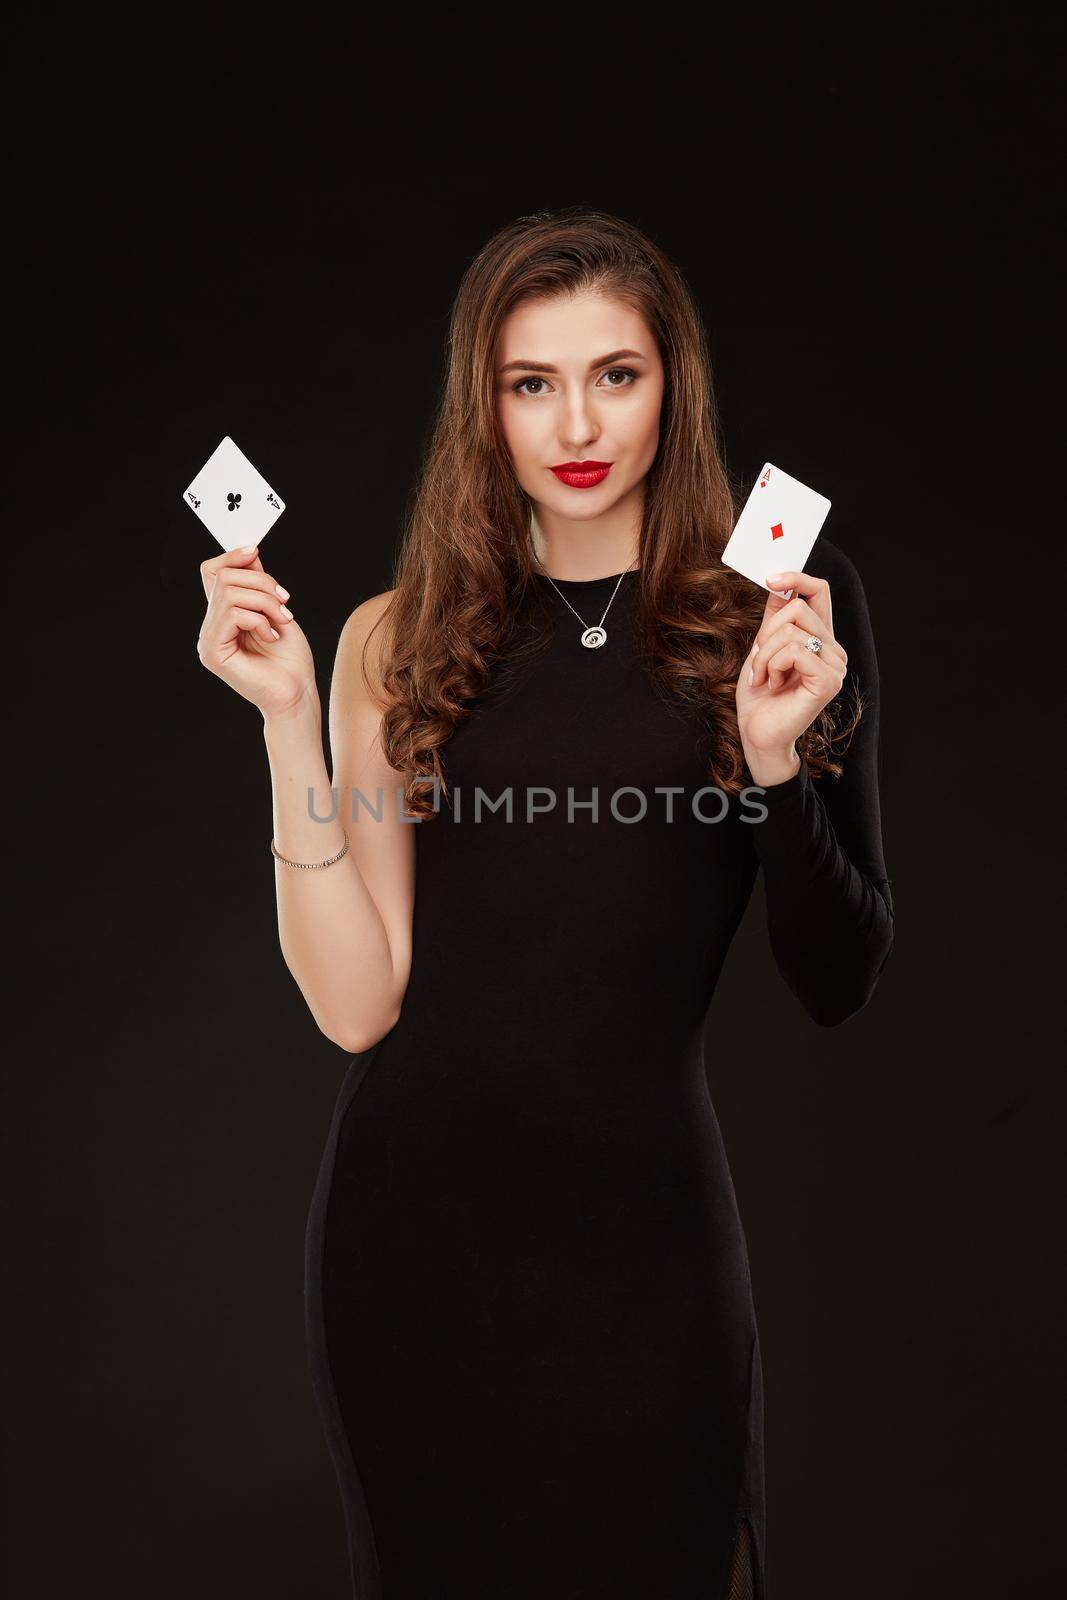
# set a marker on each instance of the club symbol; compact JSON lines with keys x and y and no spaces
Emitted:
{"x":235,"y":502}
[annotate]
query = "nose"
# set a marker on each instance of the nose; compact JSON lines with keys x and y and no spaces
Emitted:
{"x":578,"y":428}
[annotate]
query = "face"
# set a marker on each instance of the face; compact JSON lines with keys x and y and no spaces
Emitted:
{"x":579,"y":383}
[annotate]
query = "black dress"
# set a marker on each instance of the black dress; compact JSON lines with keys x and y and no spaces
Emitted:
{"x":530,"y":1319}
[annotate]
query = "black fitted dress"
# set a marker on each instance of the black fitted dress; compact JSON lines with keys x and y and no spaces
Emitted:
{"x":530,"y":1318}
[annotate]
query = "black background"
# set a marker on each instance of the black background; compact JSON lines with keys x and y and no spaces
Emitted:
{"x":259,"y":232}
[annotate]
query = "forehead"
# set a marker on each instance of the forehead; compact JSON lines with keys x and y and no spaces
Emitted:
{"x":570,"y":329}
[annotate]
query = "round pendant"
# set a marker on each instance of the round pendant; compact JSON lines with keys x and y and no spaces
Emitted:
{"x":593,"y":638}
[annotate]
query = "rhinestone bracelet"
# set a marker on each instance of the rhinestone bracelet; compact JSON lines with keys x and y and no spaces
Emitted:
{"x":312,"y":864}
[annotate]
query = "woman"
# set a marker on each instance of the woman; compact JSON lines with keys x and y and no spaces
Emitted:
{"x":530,"y":1318}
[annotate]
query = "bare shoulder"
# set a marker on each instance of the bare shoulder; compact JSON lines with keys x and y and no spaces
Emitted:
{"x":383,"y":847}
{"x":361,"y":652}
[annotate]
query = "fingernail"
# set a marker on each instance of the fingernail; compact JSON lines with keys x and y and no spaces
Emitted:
{"x":246,"y":549}
{"x":775,"y":577}
{"x":284,"y":593}
{"x":275,"y":632}
{"x":287,"y":614}
{"x":751,"y":673}
{"x":755,"y":647}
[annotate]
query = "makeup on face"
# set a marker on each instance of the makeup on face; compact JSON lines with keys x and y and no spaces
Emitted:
{"x":582,"y":474}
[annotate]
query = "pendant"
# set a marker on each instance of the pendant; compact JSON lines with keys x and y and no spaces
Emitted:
{"x":593,"y":638}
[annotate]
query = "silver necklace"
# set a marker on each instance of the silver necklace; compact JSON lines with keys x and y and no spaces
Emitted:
{"x":592,"y":637}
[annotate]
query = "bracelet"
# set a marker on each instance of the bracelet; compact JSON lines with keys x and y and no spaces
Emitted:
{"x":312,"y":864}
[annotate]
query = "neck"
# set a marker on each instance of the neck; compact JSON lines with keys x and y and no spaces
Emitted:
{"x":583,"y":577}
{"x":578,"y":553}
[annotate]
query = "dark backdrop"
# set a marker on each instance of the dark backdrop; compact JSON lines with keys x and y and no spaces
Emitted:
{"x":259,"y":232}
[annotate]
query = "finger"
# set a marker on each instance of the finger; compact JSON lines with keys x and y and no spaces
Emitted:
{"x":254,"y":622}
{"x":795,"y":610}
{"x":245,"y":556}
{"x":816,"y":591}
{"x":253,"y":577}
{"x":821,"y":678}
{"x":244,"y":578}
{"x":793,"y":638}
{"x":226,"y":628}
{"x":227,"y":595}
{"x":790,"y":633}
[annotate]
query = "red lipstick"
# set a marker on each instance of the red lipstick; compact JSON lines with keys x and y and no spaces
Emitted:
{"x":582,"y":474}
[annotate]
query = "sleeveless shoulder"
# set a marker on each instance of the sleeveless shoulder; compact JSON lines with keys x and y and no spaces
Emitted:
{"x":361,"y":652}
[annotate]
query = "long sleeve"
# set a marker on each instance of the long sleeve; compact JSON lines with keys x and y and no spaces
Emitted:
{"x":829,"y":903}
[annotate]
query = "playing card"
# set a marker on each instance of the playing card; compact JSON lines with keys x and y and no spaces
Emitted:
{"x":776,"y":529}
{"x":233,"y":500}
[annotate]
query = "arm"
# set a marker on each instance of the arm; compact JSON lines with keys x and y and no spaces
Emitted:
{"x":829,"y":904}
{"x":345,"y":930}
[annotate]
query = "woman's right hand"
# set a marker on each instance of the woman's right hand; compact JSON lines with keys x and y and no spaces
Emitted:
{"x":247,"y":640}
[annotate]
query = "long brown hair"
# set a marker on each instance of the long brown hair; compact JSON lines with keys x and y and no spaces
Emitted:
{"x":466,"y":557}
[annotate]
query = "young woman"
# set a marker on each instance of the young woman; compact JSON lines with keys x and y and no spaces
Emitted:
{"x":563,"y":745}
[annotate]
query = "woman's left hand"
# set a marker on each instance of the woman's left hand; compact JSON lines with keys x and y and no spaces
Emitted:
{"x":790,"y":684}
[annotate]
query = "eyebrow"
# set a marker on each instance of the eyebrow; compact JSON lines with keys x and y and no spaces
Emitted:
{"x":544,"y":366}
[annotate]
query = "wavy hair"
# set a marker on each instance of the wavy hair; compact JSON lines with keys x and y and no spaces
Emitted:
{"x":466,"y":556}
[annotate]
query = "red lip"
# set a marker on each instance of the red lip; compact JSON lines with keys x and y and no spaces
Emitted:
{"x":582,"y":474}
